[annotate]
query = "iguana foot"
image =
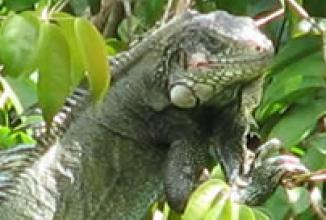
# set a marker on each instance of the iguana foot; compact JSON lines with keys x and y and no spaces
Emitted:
{"x":266,"y":173}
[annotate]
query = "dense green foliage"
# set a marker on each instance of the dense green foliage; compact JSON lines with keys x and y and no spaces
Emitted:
{"x":45,"y":53}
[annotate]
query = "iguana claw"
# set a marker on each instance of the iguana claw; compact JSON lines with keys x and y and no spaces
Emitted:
{"x":266,"y":173}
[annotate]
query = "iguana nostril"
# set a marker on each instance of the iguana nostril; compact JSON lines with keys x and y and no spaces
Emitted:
{"x":258,"y":48}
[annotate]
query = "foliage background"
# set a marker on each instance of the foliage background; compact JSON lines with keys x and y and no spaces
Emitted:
{"x":293,"y":108}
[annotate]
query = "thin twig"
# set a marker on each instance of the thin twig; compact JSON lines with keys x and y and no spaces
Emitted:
{"x":316,"y":201}
{"x":58,"y":6}
{"x":127,"y":8}
{"x":182,"y":6}
{"x":167,"y":12}
{"x":271,"y":17}
{"x":298,"y":9}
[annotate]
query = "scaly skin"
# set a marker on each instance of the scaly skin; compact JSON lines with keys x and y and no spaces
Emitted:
{"x":188,"y":87}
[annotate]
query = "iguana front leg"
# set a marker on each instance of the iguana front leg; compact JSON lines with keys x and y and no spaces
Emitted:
{"x":253,"y":176}
{"x":185,"y":162}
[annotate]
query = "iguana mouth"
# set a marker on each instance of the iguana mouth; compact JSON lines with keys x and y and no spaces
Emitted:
{"x":220,"y":61}
{"x":205,"y":79}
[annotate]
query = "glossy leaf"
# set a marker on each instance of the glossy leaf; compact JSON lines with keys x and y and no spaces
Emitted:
{"x":115,"y":46}
{"x":18,"y":5}
{"x":246,"y":213}
{"x":24,"y":91}
{"x":18,"y":39}
{"x":260,"y":216}
{"x":295,"y":50}
{"x":54,"y":70}
{"x":66,"y":24}
{"x":315,"y":156}
{"x":292,"y":82}
{"x":298,"y":122}
{"x":202,"y":199}
{"x":230,"y":211}
{"x":93,"y":54}
{"x":297,"y":69}
{"x":216,"y":209}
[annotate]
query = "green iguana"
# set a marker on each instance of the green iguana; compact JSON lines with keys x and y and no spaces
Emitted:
{"x":181,"y":95}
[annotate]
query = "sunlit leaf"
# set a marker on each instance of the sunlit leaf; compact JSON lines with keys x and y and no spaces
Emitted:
{"x":54,"y":70}
{"x":115,"y":46}
{"x":216,"y":209}
{"x":18,"y":39}
{"x":93,"y":53}
{"x":202,"y":199}
{"x":246,"y":213}
{"x":25,"y":90}
{"x":66,"y":23}
{"x":260,"y":216}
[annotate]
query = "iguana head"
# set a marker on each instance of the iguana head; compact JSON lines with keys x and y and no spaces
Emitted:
{"x":214,"y":51}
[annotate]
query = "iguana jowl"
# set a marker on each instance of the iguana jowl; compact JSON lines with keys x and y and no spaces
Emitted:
{"x":185,"y":89}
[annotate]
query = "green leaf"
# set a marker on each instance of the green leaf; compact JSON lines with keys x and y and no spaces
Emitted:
{"x":205,"y":6}
{"x":217,"y":173}
{"x":298,"y":122}
{"x":125,"y":31}
{"x":115,"y":46}
{"x":6,"y":138}
{"x":149,"y":11}
{"x":277,"y":206}
{"x":230,"y":211}
{"x":246,"y":213}
{"x":202,"y":199}
{"x":217,"y":209}
{"x":24,"y":90}
{"x":18,"y":39}
{"x":315,"y":156}
{"x":19,"y":5}
{"x":292,"y":83}
{"x":299,"y":199}
{"x":11,"y":94}
{"x":296,"y":49}
{"x":4,"y":132}
{"x":298,"y":69}
{"x":22,"y":138}
{"x":309,"y":214}
{"x":66,"y":23}
{"x":260,"y":216}
{"x":54,"y":70}
{"x":93,"y":53}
